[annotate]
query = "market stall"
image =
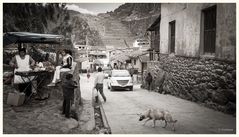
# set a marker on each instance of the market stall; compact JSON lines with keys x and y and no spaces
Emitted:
{"x":38,"y":75}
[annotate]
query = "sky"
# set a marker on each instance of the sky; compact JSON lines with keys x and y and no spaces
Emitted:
{"x":93,"y":8}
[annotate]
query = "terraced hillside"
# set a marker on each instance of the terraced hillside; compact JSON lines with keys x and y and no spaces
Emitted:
{"x":112,"y":32}
{"x":116,"y":34}
{"x":119,"y":28}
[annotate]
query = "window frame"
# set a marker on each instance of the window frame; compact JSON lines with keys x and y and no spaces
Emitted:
{"x":203,"y":52}
{"x":171,"y":23}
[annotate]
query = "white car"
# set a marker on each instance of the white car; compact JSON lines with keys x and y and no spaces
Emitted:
{"x":120,"y":79}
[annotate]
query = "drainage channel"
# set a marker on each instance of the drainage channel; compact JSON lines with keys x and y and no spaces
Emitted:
{"x":101,"y":123}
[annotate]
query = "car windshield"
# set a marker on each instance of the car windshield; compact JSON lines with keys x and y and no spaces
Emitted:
{"x":120,"y":74}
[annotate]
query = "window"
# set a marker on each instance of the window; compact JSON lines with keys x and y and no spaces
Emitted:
{"x":172,"y":37}
{"x":209,"y":29}
{"x":134,"y":61}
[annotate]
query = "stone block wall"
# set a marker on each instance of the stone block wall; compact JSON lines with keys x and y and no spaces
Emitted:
{"x":206,"y":81}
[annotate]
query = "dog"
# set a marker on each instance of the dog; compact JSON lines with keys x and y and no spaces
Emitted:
{"x":157,"y":114}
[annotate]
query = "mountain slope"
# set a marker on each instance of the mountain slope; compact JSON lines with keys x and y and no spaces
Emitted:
{"x":119,"y":29}
{"x":33,"y":17}
{"x":112,"y":31}
{"x":116,"y":34}
{"x":137,"y":17}
{"x":48,"y":18}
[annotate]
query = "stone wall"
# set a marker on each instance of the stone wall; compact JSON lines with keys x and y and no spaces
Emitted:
{"x":205,"y":81}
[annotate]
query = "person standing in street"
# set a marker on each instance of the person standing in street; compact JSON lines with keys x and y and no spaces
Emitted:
{"x":149,"y":80}
{"x":68,"y":87}
{"x":88,"y":74}
{"x":98,"y":85}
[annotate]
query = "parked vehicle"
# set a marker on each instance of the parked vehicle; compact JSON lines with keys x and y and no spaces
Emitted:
{"x":107,"y":71}
{"x":120,"y":79}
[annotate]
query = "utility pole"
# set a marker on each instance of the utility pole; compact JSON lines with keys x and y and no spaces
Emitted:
{"x":87,"y":54}
{"x":87,"y":47}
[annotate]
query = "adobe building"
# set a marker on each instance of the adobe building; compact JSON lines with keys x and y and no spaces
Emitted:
{"x":197,"y":30}
{"x":197,"y":54}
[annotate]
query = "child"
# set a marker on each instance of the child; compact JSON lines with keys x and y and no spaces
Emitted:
{"x":68,"y":87}
{"x":88,"y":76}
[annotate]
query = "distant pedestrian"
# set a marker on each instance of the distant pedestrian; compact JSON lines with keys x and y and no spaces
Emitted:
{"x":88,"y":76}
{"x":131,"y":71}
{"x":149,"y":80}
{"x":68,"y":87}
{"x":99,"y":83}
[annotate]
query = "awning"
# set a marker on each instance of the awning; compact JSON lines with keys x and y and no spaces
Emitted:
{"x":28,"y":37}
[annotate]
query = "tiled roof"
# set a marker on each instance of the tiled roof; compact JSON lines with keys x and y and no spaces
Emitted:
{"x":137,"y":53}
{"x":128,"y":55}
{"x":121,"y":57}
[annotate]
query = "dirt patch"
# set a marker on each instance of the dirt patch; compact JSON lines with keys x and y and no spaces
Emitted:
{"x":44,"y":117}
{"x":36,"y":117}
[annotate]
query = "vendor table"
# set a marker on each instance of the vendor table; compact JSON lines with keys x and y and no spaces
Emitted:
{"x":36,"y":75}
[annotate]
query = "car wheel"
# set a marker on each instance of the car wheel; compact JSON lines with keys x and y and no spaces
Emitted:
{"x":131,"y":88}
{"x":108,"y":87}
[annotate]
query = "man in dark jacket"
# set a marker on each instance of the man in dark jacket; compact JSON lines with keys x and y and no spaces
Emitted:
{"x":68,"y":87}
{"x":149,"y":80}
